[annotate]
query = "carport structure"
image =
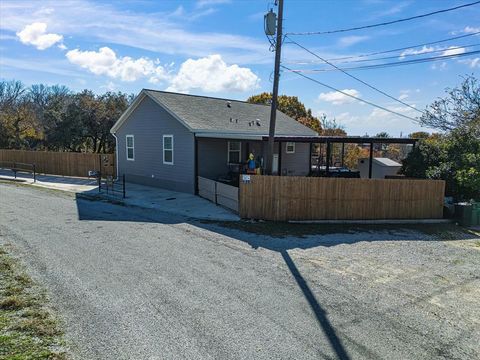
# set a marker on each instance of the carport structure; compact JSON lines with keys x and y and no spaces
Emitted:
{"x":329,"y":140}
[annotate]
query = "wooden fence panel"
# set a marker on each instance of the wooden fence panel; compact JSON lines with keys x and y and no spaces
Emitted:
{"x":227,"y":196}
{"x":283,"y":198}
{"x":207,"y":189}
{"x":62,"y":163}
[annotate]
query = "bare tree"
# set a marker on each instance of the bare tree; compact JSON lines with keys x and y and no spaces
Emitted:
{"x":461,"y":108}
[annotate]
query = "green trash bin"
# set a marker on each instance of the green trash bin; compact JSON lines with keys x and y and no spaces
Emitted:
{"x":464,"y":213}
{"x":476,"y":213}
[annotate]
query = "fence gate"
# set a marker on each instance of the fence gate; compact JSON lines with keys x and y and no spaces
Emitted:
{"x":219,"y":193}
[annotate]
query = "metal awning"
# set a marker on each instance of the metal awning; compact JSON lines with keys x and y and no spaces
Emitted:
{"x":344,"y":139}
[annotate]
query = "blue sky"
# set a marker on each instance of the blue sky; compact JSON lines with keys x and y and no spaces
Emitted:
{"x":218,"y":48}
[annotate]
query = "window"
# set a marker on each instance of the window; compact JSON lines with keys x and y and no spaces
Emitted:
{"x":130,"y":147}
{"x":168,"y":149}
{"x":290,"y":148}
{"x":234,"y":148}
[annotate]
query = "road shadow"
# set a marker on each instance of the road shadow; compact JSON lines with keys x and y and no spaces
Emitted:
{"x":285,"y":237}
{"x":319,"y":312}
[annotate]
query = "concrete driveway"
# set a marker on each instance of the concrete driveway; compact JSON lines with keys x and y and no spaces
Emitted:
{"x":136,"y":284}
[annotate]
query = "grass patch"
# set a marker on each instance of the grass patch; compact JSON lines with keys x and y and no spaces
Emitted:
{"x":28,"y":329}
{"x":286,"y":229}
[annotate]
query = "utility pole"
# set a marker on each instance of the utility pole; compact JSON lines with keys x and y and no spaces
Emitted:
{"x":276,"y":78}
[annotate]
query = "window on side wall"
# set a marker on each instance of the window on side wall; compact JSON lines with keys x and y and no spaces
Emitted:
{"x":290,"y":148}
{"x":168,"y":149}
{"x":130,"y":142}
{"x":234,"y":148}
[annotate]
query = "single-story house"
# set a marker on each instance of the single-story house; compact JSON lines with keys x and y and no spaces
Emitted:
{"x":168,"y":139}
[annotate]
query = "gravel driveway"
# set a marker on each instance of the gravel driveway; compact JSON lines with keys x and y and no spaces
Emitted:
{"x":138,"y":284}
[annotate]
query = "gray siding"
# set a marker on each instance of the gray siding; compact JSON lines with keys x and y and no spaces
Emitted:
{"x":296,"y":164}
{"x":212,"y":158}
{"x":148,"y":123}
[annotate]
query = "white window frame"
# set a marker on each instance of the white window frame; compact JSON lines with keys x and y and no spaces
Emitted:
{"x":239,"y":152}
{"x":292,"y":144}
{"x":130,"y":147}
{"x":163,"y":146}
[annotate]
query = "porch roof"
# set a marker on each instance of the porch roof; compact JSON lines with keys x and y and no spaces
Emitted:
{"x":344,"y":139}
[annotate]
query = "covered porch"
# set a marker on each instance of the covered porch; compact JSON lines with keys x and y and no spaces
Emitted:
{"x":223,"y":159}
{"x":327,"y":153}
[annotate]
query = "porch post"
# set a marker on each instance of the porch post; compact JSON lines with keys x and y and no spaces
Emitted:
{"x":279,"y":158}
{"x":196,"y":165}
{"x":310,"y":159}
{"x":327,"y":168}
{"x":370,"y":163}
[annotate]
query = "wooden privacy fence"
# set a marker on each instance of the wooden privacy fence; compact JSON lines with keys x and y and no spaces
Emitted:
{"x":62,"y":163}
{"x":282,"y":198}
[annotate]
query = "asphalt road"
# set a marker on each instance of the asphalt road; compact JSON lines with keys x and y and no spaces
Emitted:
{"x":136,"y":284}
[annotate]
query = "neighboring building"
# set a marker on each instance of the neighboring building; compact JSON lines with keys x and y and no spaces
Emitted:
{"x":167,"y":139}
{"x":381,"y":167}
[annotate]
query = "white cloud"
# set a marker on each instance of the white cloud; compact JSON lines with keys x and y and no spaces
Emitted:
{"x":109,"y":86}
{"x":166,"y":32}
{"x":106,"y":62}
{"x":36,"y":34}
{"x":337,"y":98}
{"x":208,"y":74}
{"x":378,"y":114}
{"x":439,"y":66}
{"x":471,"y":29}
{"x":473,"y":63}
{"x":453,"y":50}
{"x":212,"y":74}
{"x":351,"y":40}
{"x":204,"y":3}
{"x":403,"y":96}
{"x":423,"y":50}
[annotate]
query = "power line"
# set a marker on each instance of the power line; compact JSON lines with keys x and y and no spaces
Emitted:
{"x":396,"y":63}
{"x":349,"y":95}
{"x":387,"y":57}
{"x":404,"y":48}
{"x":356,"y":78}
{"x":384,"y":23}
{"x":409,"y":55}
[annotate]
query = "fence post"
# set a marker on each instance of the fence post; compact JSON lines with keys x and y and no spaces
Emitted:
{"x":123,"y":180}
{"x":34,"y":174}
{"x":15,"y":169}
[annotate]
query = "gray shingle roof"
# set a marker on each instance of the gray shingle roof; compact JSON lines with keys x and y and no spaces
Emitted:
{"x":202,"y":113}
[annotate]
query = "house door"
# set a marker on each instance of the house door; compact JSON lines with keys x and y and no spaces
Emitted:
{"x":275,"y":164}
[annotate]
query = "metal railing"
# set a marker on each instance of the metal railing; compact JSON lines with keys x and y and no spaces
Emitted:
{"x":111,"y":186}
{"x":16,"y":167}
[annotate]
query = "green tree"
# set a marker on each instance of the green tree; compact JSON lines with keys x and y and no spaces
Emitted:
{"x":291,"y":106}
{"x":419,"y":135}
{"x":453,"y":156}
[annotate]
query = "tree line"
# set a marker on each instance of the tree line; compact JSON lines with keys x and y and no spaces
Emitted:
{"x":41,"y":117}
